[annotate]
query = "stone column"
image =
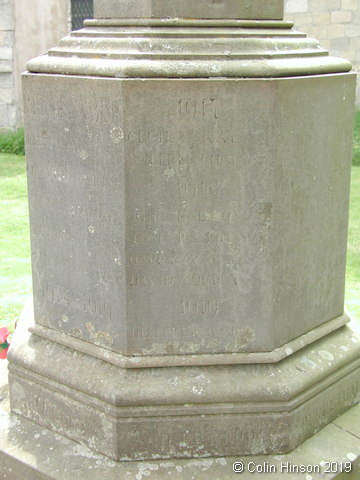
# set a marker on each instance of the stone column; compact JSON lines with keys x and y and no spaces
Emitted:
{"x":189,"y":172}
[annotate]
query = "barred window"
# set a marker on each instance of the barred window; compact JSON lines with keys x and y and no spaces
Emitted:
{"x":80,"y":10}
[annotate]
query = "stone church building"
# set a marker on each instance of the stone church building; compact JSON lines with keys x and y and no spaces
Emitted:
{"x":30,"y":28}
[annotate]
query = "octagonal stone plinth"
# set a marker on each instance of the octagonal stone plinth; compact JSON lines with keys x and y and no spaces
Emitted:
{"x":188,"y":221}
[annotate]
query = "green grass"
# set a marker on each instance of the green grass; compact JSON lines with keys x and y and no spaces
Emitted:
{"x":15,"y":270}
{"x":352,"y":292}
{"x":12,"y":142}
{"x":356,"y":145}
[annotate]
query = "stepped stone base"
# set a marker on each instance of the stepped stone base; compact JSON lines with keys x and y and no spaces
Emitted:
{"x":184,"y":412}
{"x":31,"y":452}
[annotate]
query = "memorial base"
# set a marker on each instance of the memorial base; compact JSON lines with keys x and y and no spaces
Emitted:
{"x":28,"y":451}
{"x":184,"y":412}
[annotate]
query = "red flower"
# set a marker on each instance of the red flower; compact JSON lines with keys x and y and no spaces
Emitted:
{"x":3,"y":353}
{"x":4,"y":345}
{"x":4,"y":333}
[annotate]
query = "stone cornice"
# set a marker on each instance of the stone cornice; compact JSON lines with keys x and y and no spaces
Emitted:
{"x":173,"y":48}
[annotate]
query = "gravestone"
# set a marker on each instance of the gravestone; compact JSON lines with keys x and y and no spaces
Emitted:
{"x":188,"y":171}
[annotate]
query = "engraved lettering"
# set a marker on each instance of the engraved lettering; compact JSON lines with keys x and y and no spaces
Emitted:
{"x":195,"y":306}
{"x":192,"y":108}
{"x":144,"y":215}
{"x":194,"y":190}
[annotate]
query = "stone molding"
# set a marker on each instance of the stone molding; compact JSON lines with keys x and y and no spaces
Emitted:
{"x":148,"y":48}
{"x":151,"y":361}
{"x":139,"y":414}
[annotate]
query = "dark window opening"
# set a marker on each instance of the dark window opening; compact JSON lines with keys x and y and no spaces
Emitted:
{"x":80,"y":10}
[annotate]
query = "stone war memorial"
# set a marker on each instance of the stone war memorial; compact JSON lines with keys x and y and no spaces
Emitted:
{"x":188,"y":174}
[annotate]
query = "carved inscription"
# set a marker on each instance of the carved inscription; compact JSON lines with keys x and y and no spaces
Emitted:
{"x":198,"y":225}
{"x":197,"y":279}
{"x":185,"y":214}
{"x":188,"y":189}
{"x":159,"y":236}
{"x":331,"y":405}
{"x":162,"y":137}
{"x":199,"y":306}
{"x":184,"y":333}
{"x":229,"y":436}
{"x":161,"y":213}
{"x":180,"y":160}
{"x":144,"y":215}
{"x":96,"y":108}
{"x":193,"y":108}
{"x":80,"y":301}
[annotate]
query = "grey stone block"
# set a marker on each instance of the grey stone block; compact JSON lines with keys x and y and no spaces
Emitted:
{"x":7,"y":80}
{"x":7,"y":116}
{"x":6,"y":53}
{"x":189,"y":217}
{"x":5,"y":66}
{"x":29,"y":451}
{"x":7,"y":15}
{"x":246,"y":9}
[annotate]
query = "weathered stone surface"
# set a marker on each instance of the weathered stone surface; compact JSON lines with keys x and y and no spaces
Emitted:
{"x":191,"y":223}
{"x":188,"y":217}
{"x":28,"y":451}
{"x":7,"y":94}
{"x":247,"y":9}
{"x":183,"y":412}
{"x":187,"y":48}
{"x":7,"y":15}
